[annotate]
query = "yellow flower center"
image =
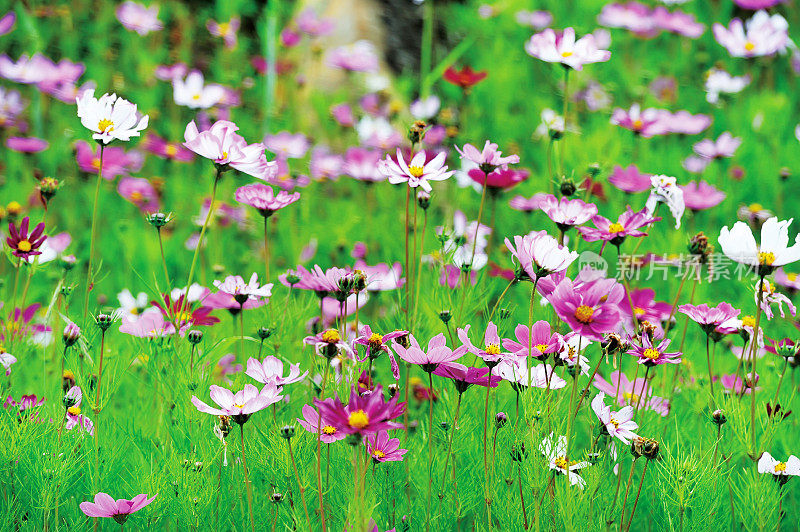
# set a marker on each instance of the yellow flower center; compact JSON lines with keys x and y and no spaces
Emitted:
{"x":584,"y":314}
{"x":631,"y":398}
{"x":329,"y":430}
{"x":67,"y":374}
{"x":195,"y":97}
{"x":492,"y":349}
{"x":331,"y":336}
{"x":541,"y":347}
{"x":224,"y":155}
{"x":791,"y":277}
{"x":652,"y":354}
{"x":755,"y":207}
{"x":375,"y":339}
{"x":562,"y":463}
{"x":639,"y":311}
{"x":637,"y":124}
{"x":74,"y":410}
{"x":136,"y":197}
{"x":224,"y":27}
{"x":566,"y":54}
{"x":377,"y":453}
{"x":171,"y":150}
{"x":615,"y":228}
{"x":14,"y":207}
{"x":780,"y":467}
{"x":96,"y":163}
{"x":358,"y":419}
{"x":614,"y":422}
{"x":766,"y":258}
{"x":24,"y":246}
{"x":749,"y":46}
{"x":416,"y":171}
{"x":748,"y":321}
{"x":105,"y":125}
{"x":238,"y":406}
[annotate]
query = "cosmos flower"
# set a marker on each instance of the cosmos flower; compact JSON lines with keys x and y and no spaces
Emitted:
{"x":489,"y":159}
{"x":243,"y":291}
{"x":11,"y":106}
{"x":22,"y":244}
{"x":224,"y":146}
{"x":700,"y":196}
{"x":739,"y":244}
{"x":6,"y":361}
{"x":192,"y":92}
{"x":628,"y":224}
{"x":735,"y":385}
{"x":363,"y":164}
{"x":521,"y":203}
{"x":769,"y":465}
{"x":539,"y":254}
{"x":150,"y":324}
{"x":521,"y":376}
{"x":719,"y":81}
{"x":109,"y":118}
{"x":491,"y":352}
{"x":418,"y":172}
{"x":789,"y":280}
{"x":329,"y":344}
{"x":309,"y":23}
{"x":74,"y":418}
{"x":554,"y":450}
{"x":363,"y":414}
{"x":562,"y":48}
{"x":567,"y":213}
{"x":226,"y":30}
{"x":140,"y":192}
{"x":377,"y":344}
{"x":666,"y":190}
{"x":241,"y":405}
{"x":425,"y":109}
{"x":725,"y":146}
{"x":326,"y":431}
{"x":324,"y":165}
{"x":105,"y":506}
{"x":466,"y":78}
{"x":590,"y":310}
{"x":762,"y":35}
{"x":645,"y":307}
{"x":572,"y":352}
{"x":116,"y":161}
{"x":138,"y":18}
{"x":385,"y":449}
{"x":436,"y":354}
{"x":646,"y":123}
{"x":263,"y":198}
{"x":537,"y":20}
{"x":287,"y":145}
{"x":651,"y":354}
{"x":629,"y":179}
{"x":500,"y":179}
{"x":619,"y":424}
{"x":359,"y":56}
{"x":536,"y":341}
{"x":27,"y":144}
{"x":7,"y":22}
{"x":770,"y":297}
{"x":463,"y":377}
{"x":164,"y":149}
{"x":270,"y":370}
{"x":467,"y":243}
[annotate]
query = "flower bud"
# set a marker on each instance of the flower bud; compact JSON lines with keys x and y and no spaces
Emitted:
{"x":423,"y":200}
{"x":194,"y":336}
{"x":718,"y":417}
{"x":417,"y":131}
{"x":67,"y":380}
{"x":264,"y":332}
{"x":48,"y":187}
{"x":287,"y":432}
{"x":393,"y":389}
{"x":71,"y":334}
{"x":504,"y":313}
{"x":225,"y":425}
{"x":104,"y":321}
{"x":159,"y":219}
{"x":276,"y":497}
{"x":445,"y":316}
{"x":567,"y":188}
{"x":594,"y":169}
{"x":500,"y":420}
{"x":292,"y":279}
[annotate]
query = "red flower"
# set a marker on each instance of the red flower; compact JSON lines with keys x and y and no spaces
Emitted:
{"x":466,"y":78}
{"x":22,"y":244}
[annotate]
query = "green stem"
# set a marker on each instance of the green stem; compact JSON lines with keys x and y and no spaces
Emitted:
{"x":93,"y":235}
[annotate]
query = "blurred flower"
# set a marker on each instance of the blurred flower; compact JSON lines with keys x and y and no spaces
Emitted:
{"x":11,"y":106}
{"x":725,"y":146}
{"x":562,"y":48}
{"x":27,"y":144}
{"x":719,"y":82}
{"x":629,"y":179}
{"x":425,"y":109}
{"x":116,"y":161}
{"x":6,"y":361}
{"x":343,"y":114}
{"x":171,"y":72}
{"x":7,"y":22}
{"x":226,"y":30}
{"x":287,"y":145}
{"x":700,"y":196}
{"x":466,"y":78}
{"x":308,"y":22}
{"x":324,"y":165}
{"x":627,"y":392}
{"x":138,"y":18}
{"x":160,"y":147}
{"x":762,"y":35}
{"x":521,"y":203}
{"x":110,"y":118}
{"x":192,"y":92}
{"x":537,"y":20}
{"x":647,"y":123}
{"x":140,"y":192}
{"x":360,"y":56}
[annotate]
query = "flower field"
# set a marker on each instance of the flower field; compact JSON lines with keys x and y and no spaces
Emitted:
{"x":382,"y":265}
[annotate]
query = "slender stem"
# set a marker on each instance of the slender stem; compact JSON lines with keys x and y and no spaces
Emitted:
{"x":480,"y":216}
{"x":780,"y":381}
{"x":266,"y":249}
{"x":499,"y":299}
{"x":522,"y":500}
{"x":641,"y":391}
{"x":247,"y":481}
{"x":299,"y":484}
{"x":754,"y":343}
{"x":408,"y":215}
{"x":571,"y":419}
{"x":566,"y":100}
{"x":485,"y":456}
{"x":419,"y":265}
{"x":319,"y":448}
{"x":708,"y":360}
{"x":627,"y":489}
{"x":450,"y":444}
{"x":163,"y":259}
{"x":638,"y":492}
{"x":430,"y":449}
{"x":93,"y":236}
{"x":585,"y":390}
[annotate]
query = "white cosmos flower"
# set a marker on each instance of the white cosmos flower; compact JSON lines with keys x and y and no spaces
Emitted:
{"x":666,"y":190}
{"x":539,"y":254}
{"x":618,"y":424}
{"x":768,"y":464}
{"x":739,"y":244}
{"x":555,"y":450}
{"x":192,"y":92}
{"x":109,"y":117}
{"x":235,"y":286}
{"x":6,"y":361}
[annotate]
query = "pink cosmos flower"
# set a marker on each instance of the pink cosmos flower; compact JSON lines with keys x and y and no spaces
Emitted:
{"x":116,"y":161}
{"x":381,"y":277}
{"x":226,"y":30}
{"x":74,"y":418}
{"x":567,"y":213}
{"x":241,"y":405}
{"x":790,"y":281}
{"x":27,"y":144}
{"x":628,"y":224}
{"x":377,"y":344}
{"x":725,"y":146}
{"x":343,"y":114}
{"x":7,"y":22}
{"x":270,"y":370}
{"x":105,"y":506}
{"x":500,"y":179}
{"x":330,"y":344}
{"x":359,"y":56}
{"x":645,"y":307}
{"x":287,"y":145}
{"x":463,"y":377}
{"x":290,"y":38}
{"x":762,"y":35}
{"x":6,"y":361}
{"x":140,"y":192}
{"x":521,"y":203}
{"x":451,"y":276}
{"x":363,"y":164}
{"x":562,"y":48}
{"x":25,"y":404}
{"x":677,"y":22}
{"x":171,"y":72}
{"x":709,"y":318}
{"x":771,"y":297}
{"x":646,"y":123}
{"x":755,"y":5}
{"x":138,"y":18}
{"x":734,"y":384}
{"x":491,"y":352}
{"x":150,"y":324}
{"x":684,"y":122}
{"x":327,"y":432}
{"x":385,"y":449}
{"x":629,"y":392}
{"x":163,"y":149}
{"x":539,"y":254}
{"x":263,"y":198}
{"x":11,"y":106}
{"x":590,"y":310}
{"x":225,"y":147}
{"x":629,"y":179}
{"x":437,"y":353}
{"x":538,"y":341}
{"x":418,"y":172}
{"x":618,"y":424}
{"x":28,"y":70}
{"x":489,"y":159}
{"x":309,"y":23}
{"x":537,"y":20}
{"x":700,"y":196}
{"x":363,"y":414}
{"x":651,"y":354}
{"x":324,"y":165}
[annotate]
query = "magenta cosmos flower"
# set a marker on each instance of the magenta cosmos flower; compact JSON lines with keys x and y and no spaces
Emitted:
{"x":629,"y":392}
{"x":489,"y":159}
{"x":377,"y":344}
{"x":567,"y":213}
{"x":630,"y":179}
{"x":263,"y":198}
{"x":326,"y":431}
{"x":463,"y":377}
{"x":105,"y":506}
{"x":539,"y":254}
{"x":7,"y":22}
{"x":521,"y":203}
{"x":270,"y":371}
{"x":709,"y":318}
{"x":491,"y":352}
{"x":241,"y":405}
{"x":651,"y":354}
{"x":725,"y":146}
{"x":618,"y":424}
{"x":140,"y":192}
{"x":755,"y":5}
{"x":646,"y":123}
{"x":138,"y":18}
{"x":385,"y":449}
{"x":164,"y":149}
{"x":591,"y":310}
{"x":116,"y":161}
{"x":700,"y":196}
{"x":500,"y":179}
{"x":537,"y":341}
{"x":27,"y":144}
{"x":360,"y":56}
{"x":645,"y":307}
{"x":226,"y":30}
{"x":74,"y":418}
{"x":22,"y":244}
{"x":363,"y":414}
{"x":628,"y":224}
{"x":226,"y":148}
{"x":562,"y":48}
{"x":437,"y":354}
{"x":418,"y":172}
